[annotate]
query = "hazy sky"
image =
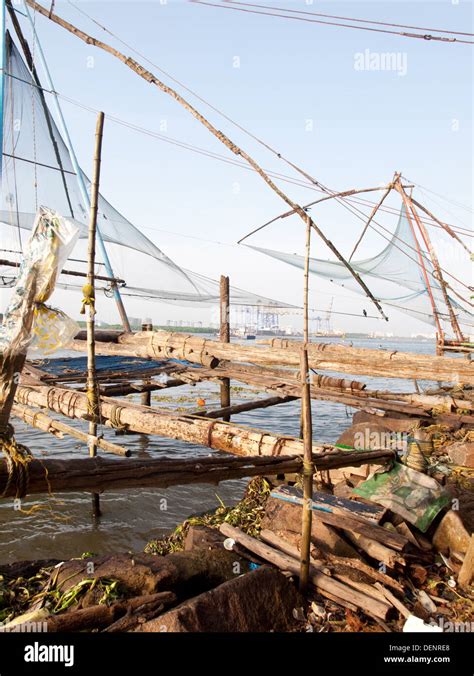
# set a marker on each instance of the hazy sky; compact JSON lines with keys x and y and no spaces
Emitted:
{"x":303,"y":88}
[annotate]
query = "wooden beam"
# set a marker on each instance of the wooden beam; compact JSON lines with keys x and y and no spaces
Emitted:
{"x":206,"y":432}
{"x":100,"y":474}
{"x":283,"y":352}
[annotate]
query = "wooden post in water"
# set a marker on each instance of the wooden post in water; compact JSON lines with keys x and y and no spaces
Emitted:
{"x":89,"y":303}
{"x":145,"y":398}
{"x":308,"y":467}
{"x":224,"y":336}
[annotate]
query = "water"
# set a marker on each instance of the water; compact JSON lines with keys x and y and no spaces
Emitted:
{"x":62,"y":527}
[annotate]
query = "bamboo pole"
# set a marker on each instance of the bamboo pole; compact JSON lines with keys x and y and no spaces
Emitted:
{"x":421,"y":260}
{"x":45,"y":423}
{"x":437,"y":267}
{"x":153,"y":79}
{"x":89,"y":304}
{"x":372,"y":214}
{"x":224,"y":336}
{"x":308,"y":467}
{"x":445,"y":226}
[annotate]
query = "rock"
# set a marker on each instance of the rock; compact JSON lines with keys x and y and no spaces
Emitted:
{"x":451,"y":536}
{"x":184,"y":572}
{"x":366,"y":435}
{"x":462,"y":453}
{"x":260,"y":601}
{"x":203,"y":537}
{"x":284,"y":519}
{"x":394,"y":422}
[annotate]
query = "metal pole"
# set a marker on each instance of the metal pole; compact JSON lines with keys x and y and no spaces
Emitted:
{"x":89,"y":306}
{"x":307,"y":428}
{"x":80,"y":178}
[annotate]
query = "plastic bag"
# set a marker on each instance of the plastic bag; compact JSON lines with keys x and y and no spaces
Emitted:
{"x":414,"y":496}
{"x":50,"y":244}
{"x":52,"y":329}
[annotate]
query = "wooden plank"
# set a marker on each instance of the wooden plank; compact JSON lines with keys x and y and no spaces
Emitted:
{"x":321,"y":500}
{"x":347,"y":520}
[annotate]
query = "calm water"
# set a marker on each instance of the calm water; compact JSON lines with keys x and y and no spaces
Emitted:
{"x":63,"y":528}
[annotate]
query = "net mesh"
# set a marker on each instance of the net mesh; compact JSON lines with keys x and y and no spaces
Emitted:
{"x":395,"y":268}
{"x":38,"y":171}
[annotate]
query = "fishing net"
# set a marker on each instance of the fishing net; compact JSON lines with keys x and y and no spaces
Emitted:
{"x":38,"y":170}
{"x":395,"y":268}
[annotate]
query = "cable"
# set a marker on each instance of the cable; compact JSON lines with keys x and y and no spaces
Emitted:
{"x":427,"y":37}
{"x":345,"y":18}
{"x":313,"y":182}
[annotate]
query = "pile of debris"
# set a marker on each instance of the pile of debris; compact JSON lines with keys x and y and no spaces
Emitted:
{"x":236,"y":570}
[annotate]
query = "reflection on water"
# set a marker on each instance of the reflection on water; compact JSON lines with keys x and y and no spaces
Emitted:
{"x":63,"y":527}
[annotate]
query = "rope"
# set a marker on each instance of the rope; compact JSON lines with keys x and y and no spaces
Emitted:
{"x":114,"y":417}
{"x":17,"y":458}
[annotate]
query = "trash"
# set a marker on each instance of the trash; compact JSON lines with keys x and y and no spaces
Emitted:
{"x":415,"y":496}
{"x":50,"y":244}
{"x":451,"y":535}
{"x":415,"y":624}
{"x":426,"y":602}
{"x":318,"y":610}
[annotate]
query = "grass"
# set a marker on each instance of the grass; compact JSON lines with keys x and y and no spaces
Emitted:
{"x":246,"y":515}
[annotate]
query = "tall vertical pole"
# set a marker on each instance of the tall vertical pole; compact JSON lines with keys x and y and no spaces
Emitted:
{"x":89,"y":303}
{"x":308,"y":467}
{"x":2,"y":84}
{"x":440,"y":333}
{"x":224,"y":336}
{"x":80,"y":178}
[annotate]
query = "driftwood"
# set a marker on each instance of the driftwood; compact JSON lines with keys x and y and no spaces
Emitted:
{"x":323,"y":583}
{"x":376,"y":550}
{"x":348,"y":564}
{"x":97,"y":617}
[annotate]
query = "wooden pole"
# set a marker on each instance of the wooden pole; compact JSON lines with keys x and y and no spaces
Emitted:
{"x":105,"y":474}
{"x":224,"y":336}
{"x":89,"y":296}
{"x":372,"y":214}
{"x":284,"y":352}
{"x":434,"y":259}
{"x":308,"y":467}
{"x":405,"y":198}
{"x":43,"y":422}
{"x":145,"y":398}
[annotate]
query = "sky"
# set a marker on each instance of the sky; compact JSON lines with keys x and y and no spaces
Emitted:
{"x":305,"y":89}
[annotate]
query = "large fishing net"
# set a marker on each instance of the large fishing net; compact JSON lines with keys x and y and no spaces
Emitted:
{"x":38,"y":171}
{"x":395,"y":268}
